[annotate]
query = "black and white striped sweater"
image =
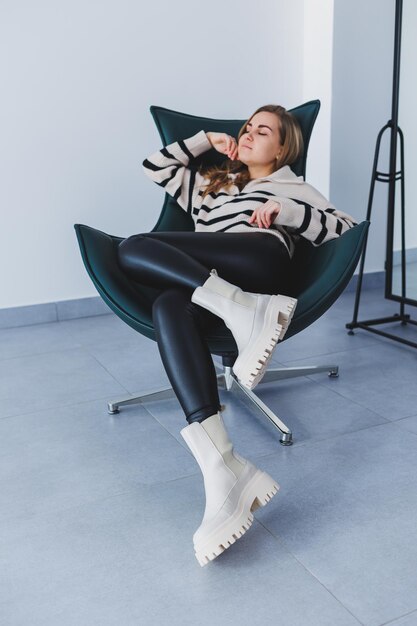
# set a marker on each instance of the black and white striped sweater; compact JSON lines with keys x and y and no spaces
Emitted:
{"x":304,"y":211}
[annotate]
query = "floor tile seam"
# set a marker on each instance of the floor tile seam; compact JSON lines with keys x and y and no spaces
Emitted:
{"x":59,"y":406}
{"x":323,"y":354}
{"x":57,"y":318}
{"x":106,"y":370}
{"x":161,"y":424}
{"x":330,"y":438}
{"x":36,"y":354}
{"x":132,"y":489}
{"x":43,"y":516}
{"x":104,"y":454}
{"x":406,"y":417}
{"x":394,"y":619}
{"x":340,"y":394}
{"x":293,"y":362}
{"x":377,"y":340}
{"x":313,"y":380}
{"x":176,"y":440}
{"x":403,"y":429}
{"x":388,"y":341}
{"x":305,"y":568}
{"x":69,"y":335}
{"x":79,"y":347}
{"x":363,"y":406}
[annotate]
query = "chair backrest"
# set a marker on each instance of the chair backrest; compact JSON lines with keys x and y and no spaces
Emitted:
{"x":174,"y":125}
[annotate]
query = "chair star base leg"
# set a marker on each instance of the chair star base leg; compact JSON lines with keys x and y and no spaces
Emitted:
{"x":159,"y":394}
{"x":228,"y":380}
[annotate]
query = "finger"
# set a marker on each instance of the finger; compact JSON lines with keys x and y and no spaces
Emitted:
{"x":265,"y":218}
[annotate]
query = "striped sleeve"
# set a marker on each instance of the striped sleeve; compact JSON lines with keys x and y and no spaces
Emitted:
{"x":316,"y":225}
{"x":168,"y":168}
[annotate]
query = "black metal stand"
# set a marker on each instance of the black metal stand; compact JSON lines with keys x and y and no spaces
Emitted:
{"x":391,"y":177}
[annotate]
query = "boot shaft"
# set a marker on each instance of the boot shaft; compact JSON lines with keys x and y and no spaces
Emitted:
{"x":211,"y":447}
{"x":234,"y":306}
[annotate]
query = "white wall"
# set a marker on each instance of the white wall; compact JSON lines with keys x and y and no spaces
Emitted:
{"x":77,"y":81}
{"x":407,"y":121}
{"x":317,"y":84}
{"x":363,"y":44}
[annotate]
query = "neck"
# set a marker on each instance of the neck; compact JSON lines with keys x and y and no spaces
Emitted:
{"x":260,"y":171}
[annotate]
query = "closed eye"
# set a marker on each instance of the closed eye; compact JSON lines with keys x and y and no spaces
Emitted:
{"x":265,"y":134}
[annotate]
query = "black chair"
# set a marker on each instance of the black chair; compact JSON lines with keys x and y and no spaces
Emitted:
{"x":320,"y":274}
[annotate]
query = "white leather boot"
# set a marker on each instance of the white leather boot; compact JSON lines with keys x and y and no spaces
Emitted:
{"x":257,"y":321}
{"x":234,"y":488}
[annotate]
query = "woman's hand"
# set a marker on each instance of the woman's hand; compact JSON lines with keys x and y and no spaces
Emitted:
{"x":265,"y":214}
{"x":223,"y":143}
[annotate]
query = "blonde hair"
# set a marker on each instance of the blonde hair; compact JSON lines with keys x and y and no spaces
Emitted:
{"x":292,"y":148}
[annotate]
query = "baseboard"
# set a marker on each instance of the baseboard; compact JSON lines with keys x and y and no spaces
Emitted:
{"x":87,"y":307}
{"x":370,"y":280}
{"x":52,"y":312}
{"x":410,"y":256}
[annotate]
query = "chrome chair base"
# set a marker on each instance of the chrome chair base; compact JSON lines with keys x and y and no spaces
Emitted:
{"x":227,"y":380}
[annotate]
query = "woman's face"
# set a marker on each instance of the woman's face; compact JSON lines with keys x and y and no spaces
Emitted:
{"x":260,"y":143}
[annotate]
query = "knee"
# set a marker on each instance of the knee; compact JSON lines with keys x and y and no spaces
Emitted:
{"x":130,"y":242}
{"x":127,"y":246}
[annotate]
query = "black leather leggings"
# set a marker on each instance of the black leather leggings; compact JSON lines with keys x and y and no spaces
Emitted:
{"x":179,"y":262}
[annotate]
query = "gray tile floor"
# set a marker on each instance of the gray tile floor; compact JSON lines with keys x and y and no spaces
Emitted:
{"x":97,"y":512}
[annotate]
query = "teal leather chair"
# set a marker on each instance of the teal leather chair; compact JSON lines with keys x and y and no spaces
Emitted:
{"x":320,"y":274}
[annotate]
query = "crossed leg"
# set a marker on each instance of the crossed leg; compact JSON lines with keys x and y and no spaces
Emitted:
{"x":179,"y":262}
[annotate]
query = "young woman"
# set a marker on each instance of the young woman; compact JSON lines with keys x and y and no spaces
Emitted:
{"x":233,"y":269}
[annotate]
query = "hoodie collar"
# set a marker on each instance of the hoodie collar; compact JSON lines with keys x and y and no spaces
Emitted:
{"x":284,"y":175}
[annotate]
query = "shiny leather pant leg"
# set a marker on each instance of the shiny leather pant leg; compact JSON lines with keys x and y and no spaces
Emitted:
{"x":159,"y":264}
{"x":255,"y":262}
{"x":179,"y":329}
{"x":177,"y":263}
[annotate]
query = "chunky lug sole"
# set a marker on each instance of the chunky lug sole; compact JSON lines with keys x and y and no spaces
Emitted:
{"x":251,"y":365}
{"x":258,"y":492}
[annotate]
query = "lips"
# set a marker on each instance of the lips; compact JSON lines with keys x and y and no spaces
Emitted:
{"x":248,"y":147}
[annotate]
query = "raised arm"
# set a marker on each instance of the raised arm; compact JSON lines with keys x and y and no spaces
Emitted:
{"x":168,"y":168}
